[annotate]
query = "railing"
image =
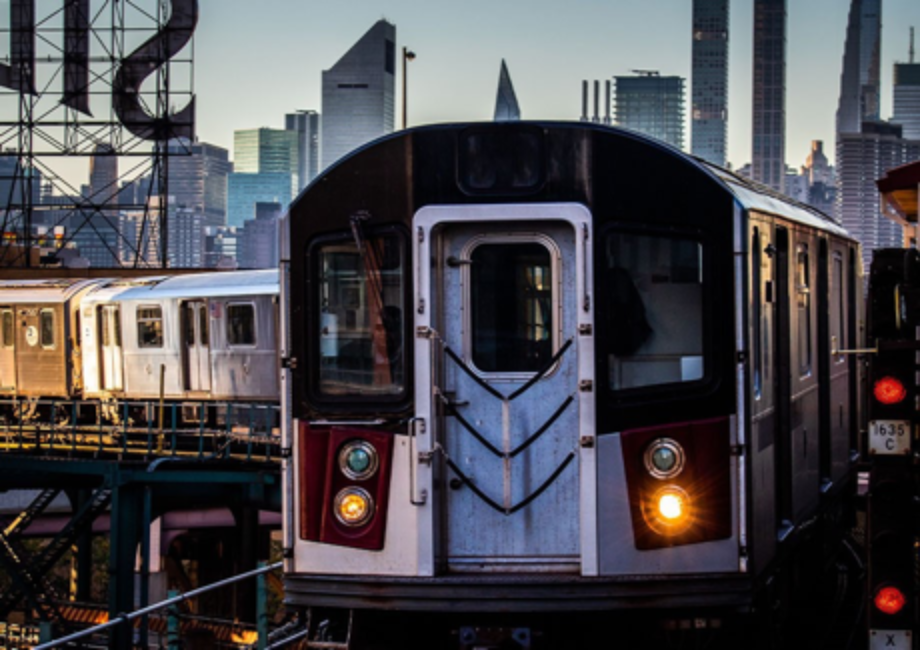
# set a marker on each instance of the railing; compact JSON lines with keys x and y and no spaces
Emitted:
{"x":261,"y":622}
{"x":141,"y":429}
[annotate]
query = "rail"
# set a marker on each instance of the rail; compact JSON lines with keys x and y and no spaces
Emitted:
{"x":143,"y":429}
{"x":175,"y":600}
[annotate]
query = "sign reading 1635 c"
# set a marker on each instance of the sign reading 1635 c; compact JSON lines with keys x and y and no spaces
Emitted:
{"x":133,"y":70}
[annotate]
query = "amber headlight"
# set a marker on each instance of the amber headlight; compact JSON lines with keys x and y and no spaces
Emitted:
{"x":670,"y":510}
{"x":353,"y":506}
{"x":358,"y":460}
{"x":664,"y":458}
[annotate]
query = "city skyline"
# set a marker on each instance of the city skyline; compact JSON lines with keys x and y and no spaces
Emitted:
{"x":550,"y":49}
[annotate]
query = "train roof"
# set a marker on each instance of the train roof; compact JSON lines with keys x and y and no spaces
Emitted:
{"x":207,"y":285}
{"x":44,"y":290}
{"x":749,"y":195}
{"x":754,"y":196}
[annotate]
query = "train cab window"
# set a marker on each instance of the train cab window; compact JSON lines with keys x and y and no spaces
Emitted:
{"x":7,"y":327}
{"x":511,"y":307}
{"x":241,"y":324}
{"x":150,"y":327}
{"x":654,"y":311}
{"x":46,"y":328}
{"x":360,"y":301}
{"x":803,"y":298}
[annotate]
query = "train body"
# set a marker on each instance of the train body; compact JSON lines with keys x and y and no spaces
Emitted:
{"x":542,"y":369}
{"x":212,"y":336}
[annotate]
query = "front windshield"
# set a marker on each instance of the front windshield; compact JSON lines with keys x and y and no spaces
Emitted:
{"x":361,"y":311}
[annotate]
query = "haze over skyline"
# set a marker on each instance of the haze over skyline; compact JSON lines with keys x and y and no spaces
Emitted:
{"x":261,"y":60}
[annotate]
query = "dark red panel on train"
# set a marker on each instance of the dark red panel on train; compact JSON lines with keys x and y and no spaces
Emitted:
{"x":705,"y":478}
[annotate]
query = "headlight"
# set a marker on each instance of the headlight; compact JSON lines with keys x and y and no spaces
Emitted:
{"x":664,"y":458}
{"x":353,"y":506}
{"x":358,"y":460}
{"x":670,"y":510}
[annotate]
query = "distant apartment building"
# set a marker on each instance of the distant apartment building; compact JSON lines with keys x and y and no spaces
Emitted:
{"x":709,"y":81}
{"x":359,"y":93}
{"x":768,"y":147}
{"x":259,"y":243}
{"x":651,"y":104}
{"x":306,"y":124}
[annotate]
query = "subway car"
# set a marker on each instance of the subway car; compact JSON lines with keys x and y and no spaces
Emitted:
{"x":546,"y":380}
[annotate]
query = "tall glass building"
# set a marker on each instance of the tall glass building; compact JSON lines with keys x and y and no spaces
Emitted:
{"x":859,"y":79}
{"x":651,"y":104}
{"x":198,"y":180}
{"x":306,"y":125}
{"x":768,"y":149}
{"x":272,"y":151}
{"x":359,"y":93}
{"x":246,"y":190}
{"x":907,"y":98}
{"x":709,"y":109}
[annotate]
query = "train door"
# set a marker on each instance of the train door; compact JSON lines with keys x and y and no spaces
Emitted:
{"x":510,"y":305}
{"x":7,"y":349}
{"x":111,"y":359}
{"x":196,"y":340}
{"x":783,"y":385}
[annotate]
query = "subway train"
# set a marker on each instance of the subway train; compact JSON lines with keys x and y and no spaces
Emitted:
{"x":96,"y":345}
{"x":543,"y":381}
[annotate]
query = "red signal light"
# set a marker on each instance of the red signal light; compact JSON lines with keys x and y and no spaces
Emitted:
{"x":889,"y":600}
{"x":889,"y":390}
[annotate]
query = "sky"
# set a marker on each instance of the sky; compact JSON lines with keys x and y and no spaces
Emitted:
{"x":256,"y":61}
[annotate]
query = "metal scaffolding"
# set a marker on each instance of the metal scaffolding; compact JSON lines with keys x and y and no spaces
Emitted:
{"x":108,"y":82}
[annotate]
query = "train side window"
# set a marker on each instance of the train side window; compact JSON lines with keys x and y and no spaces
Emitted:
{"x":241,"y":324}
{"x":7,"y":328}
{"x":654,"y":311}
{"x":203,"y":323}
{"x":511,"y":306}
{"x":150,"y":327}
{"x":46,"y":328}
{"x":838,"y":307}
{"x":803,"y":297}
{"x":757,"y":315}
{"x":360,"y":303}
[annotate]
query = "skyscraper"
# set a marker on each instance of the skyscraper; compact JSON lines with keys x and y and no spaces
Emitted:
{"x":859,"y":79}
{"x":506,"y":104}
{"x":103,"y":175}
{"x":359,"y":93}
{"x":907,"y":95}
{"x":768,"y":150}
{"x":863,"y":158}
{"x":651,"y":104}
{"x":306,"y":125}
{"x":272,"y":151}
{"x":709,"y":111}
{"x":198,"y":180}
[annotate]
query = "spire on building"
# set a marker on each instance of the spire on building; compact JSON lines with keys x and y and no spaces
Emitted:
{"x":506,"y":104}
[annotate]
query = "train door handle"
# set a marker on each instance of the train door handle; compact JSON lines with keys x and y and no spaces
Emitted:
{"x":455,"y":483}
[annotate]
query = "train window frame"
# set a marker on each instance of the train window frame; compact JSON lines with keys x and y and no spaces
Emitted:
{"x":7,"y":326}
{"x":151,"y":323}
{"x":757,"y":315}
{"x":46,"y":336}
{"x":254,"y":324}
{"x":709,"y":353}
{"x":396,"y":401}
{"x":839,"y":294}
{"x":804,"y":309}
{"x":556,"y":270}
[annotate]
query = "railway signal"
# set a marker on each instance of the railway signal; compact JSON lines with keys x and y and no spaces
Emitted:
{"x":894,"y":304}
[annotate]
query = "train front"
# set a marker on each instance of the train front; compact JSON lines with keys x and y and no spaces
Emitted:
{"x":511,"y":357}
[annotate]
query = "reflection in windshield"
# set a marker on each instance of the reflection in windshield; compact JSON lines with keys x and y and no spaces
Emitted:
{"x":361,"y":317}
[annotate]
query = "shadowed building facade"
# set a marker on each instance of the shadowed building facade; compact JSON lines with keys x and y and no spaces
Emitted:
{"x":709,"y":106}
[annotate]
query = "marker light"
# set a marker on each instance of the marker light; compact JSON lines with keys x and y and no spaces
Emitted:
{"x":353,"y":506}
{"x":889,"y":600}
{"x":358,"y":460}
{"x":889,"y":390}
{"x":664,"y":458}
